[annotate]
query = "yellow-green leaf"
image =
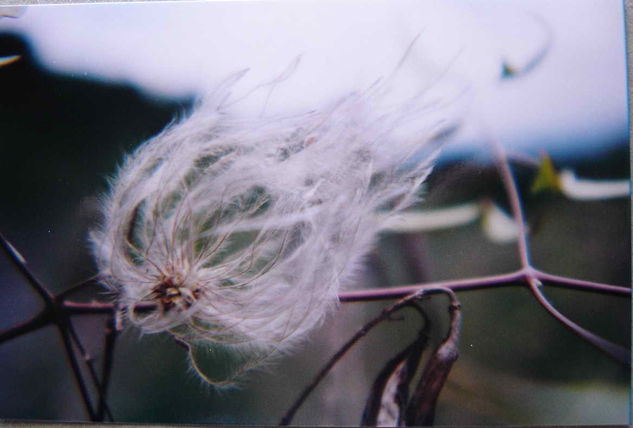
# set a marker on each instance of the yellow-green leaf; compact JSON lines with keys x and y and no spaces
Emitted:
{"x":547,"y":178}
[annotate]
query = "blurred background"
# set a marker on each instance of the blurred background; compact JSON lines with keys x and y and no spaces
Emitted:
{"x":92,"y":82}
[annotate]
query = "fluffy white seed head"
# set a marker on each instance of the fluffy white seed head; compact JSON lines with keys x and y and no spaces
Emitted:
{"x":241,"y":231}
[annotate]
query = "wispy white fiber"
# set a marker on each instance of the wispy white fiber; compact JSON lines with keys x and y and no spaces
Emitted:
{"x":242,"y":230}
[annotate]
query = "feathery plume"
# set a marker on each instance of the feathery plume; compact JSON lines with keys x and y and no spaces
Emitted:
{"x":241,"y":231}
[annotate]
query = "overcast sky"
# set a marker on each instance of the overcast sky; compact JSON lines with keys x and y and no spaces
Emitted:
{"x":576,"y":93}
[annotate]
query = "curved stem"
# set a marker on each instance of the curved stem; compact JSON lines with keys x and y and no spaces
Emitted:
{"x":88,"y":360}
{"x":533,"y":277}
{"x":493,"y":281}
{"x":72,"y":359}
{"x":20,"y":263}
{"x":515,"y":202}
{"x":74,"y":288}
{"x":42,"y":319}
{"x":110,"y":340}
{"x":93,"y":308}
{"x":523,"y":276}
{"x":581,"y":284}
{"x":387,"y":293}
{"x":519,"y":277}
{"x":619,"y":353}
{"x":287,"y":418}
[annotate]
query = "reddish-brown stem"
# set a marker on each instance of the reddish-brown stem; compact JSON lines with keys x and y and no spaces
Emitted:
{"x":50,"y":313}
{"x":92,"y":371}
{"x":531,"y":275}
{"x":93,"y":308}
{"x":287,"y":418}
{"x":523,"y":159}
{"x":110,"y":340}
{"x":519,"y":277}
{"x":20,"y":263}
{"x":579,"y":284}
{"x":72,"y":359}
{"x":386,"y":293}
{"x":501,"y":159}
{"x":74,"y":288}
{"x":42,"y":319}
{"x":619,"y":353}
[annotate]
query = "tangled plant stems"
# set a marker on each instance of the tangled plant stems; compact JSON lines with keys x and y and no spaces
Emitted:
{"x":384,"y":315}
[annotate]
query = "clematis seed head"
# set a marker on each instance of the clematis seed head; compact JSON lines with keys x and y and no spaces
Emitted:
{"x":240,"y":231}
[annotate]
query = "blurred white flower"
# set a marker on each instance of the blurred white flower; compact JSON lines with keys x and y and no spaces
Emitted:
{"x":242,"y":230}
{"x":590,"y":190}
{"x":434,"y":219}
{"x":498,"y":226}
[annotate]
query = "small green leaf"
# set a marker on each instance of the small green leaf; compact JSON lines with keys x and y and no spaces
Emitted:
{"x":547,"y":178}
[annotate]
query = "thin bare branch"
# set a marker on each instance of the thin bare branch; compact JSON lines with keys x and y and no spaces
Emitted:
{"x":287,"y":418}
{"x":501,"y":159}
{"x":42,"y":319}
{"x":20,"y":263}
{"x":108,"y":358}
{"x":523,"y":159}
{"x":580,"y":284}
{"x":91,"y":370}
{"x":72,"y":359}
{"x":386,"y":293}
{"x":469,"y":284}
{"x":519,"y":277}
{"x":79,"y":286}
{"x":619,"y":353}
{"x":93,"y":308}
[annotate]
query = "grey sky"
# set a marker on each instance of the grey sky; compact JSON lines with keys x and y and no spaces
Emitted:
{"x":576,"y":92}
